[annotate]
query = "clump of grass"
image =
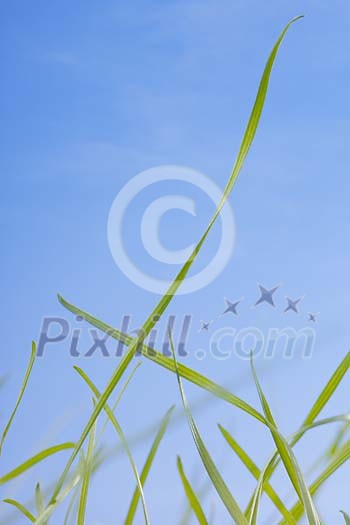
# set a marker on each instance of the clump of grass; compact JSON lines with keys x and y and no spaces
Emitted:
{"x":74,"y":481}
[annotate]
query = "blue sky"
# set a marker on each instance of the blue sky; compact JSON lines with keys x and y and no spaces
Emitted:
{"x":95,"y":93}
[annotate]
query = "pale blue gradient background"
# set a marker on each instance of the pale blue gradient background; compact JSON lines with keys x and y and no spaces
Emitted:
{"x":93,"y":93}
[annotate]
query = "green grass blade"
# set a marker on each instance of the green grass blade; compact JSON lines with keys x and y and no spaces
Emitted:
{"x":121,"y":436}
{"x":325,"y":395}
{"x":97,"y":461}
{"x":339,"y":459}
{"x":166,"y":299}
{"x":168,"y":363}
{"x":328,"y":390}
{"x":71,"y":505}
{"x":289,"y":461}
{"x":50,"y":509}
{"x":116,"y":403}
{"x":88,"y":464}
{"x":246,"y":143}
{"x":255,"y":471}
{"x":213,"y":473}
{"x":20,"y":396}
{"x":191,"y":495}
{"x":34,"y":461}
{"x":346,"y":517}
{"x":147,"y":466}
{"x":39,"y":499}
{"x":285,"y":456}
{"x":21,"y":508}
{"x":100,"y":405}
{"x":338,"y":440}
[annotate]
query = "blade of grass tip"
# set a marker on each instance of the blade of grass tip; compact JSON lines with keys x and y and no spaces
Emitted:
{"x":202,"y":493}
{"x":26,"y":465}
{"x":21,"y":508}
{"x":39,"y":501}
{"x":191,"y":495}
{"x":246,"y":143}
{"x":255,"y":471}
{"x":86,"y":477}
{"x":287,"y":457}
{"x":325,"y":395}
{"x":20,"y":396}
{"x":215,"y":476}
{"x":346,"y":517}
{"x":121,"y":436}
{"x":340,"y":458}
{"x":147,"y":466}
{"x":67,"y":489}
{"x":167,"y":298}
{"x":168,"y":363}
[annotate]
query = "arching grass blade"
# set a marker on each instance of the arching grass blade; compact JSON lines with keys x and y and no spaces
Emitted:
{"x":26,"y":465}
{"x":21,"y":508}
{"x":166,"y":299}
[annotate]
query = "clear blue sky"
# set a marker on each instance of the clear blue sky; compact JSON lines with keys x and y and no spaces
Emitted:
{"x":92,"y":94}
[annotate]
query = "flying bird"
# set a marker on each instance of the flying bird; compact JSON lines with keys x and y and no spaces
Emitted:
{"x":266,"y":296}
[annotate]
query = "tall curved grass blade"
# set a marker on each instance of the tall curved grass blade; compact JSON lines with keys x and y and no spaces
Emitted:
{"x":288,"y":459}
{"x":166,"y":362}
{"x":120,"y":433}
{"x":147,"y":466}
{"x":26,"y":465}
{"x":191,"y":495}
{"x":20,"y":396}
{"x":88,"y":465}
{"x":246,"y":143}
{"x":215,"y":476}
{"x":21,"y":508}
{"x":346,"y":517}
{"x":255,"y":471}
{"x":166,"y":299}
